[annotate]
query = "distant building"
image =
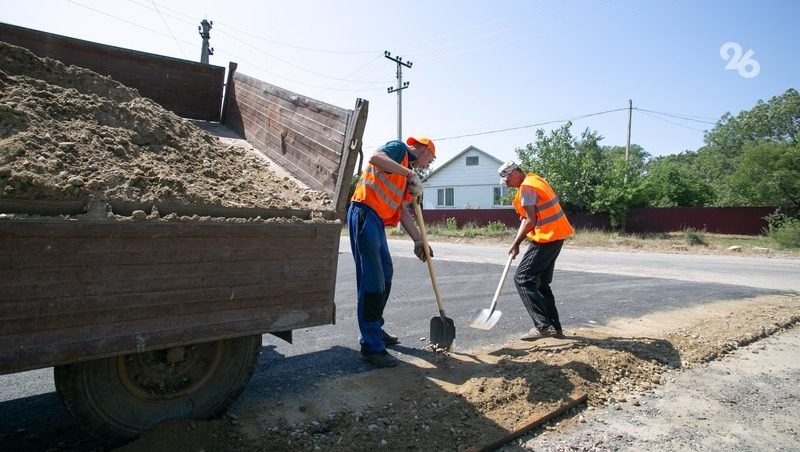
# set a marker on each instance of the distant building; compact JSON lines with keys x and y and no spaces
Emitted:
{"x":467,"y":181}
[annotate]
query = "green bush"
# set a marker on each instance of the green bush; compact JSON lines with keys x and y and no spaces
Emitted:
{"x":496,"y":226}
{"x":783,"y":229}
{"x":451,"y":224}
{"x":694,"y":237}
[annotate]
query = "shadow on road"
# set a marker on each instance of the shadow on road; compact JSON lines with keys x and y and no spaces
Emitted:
{"x":41,"y":423}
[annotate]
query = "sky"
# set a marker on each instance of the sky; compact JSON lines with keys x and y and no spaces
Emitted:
{"x":482,"y":73}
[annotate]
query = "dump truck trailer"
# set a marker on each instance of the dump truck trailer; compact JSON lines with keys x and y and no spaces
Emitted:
{"x":150,"y":320}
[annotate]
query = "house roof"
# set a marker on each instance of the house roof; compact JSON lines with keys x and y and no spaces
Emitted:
{"x":457,"y":156}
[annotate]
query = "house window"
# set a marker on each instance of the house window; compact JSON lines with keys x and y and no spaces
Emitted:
{"x":444,"y":197}
{"x":500,"y":196}
{"x":472,"y":161}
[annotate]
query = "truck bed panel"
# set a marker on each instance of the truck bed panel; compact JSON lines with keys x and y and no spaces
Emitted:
{"x":102,"y":288}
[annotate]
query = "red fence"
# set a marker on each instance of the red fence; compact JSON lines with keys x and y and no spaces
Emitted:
{"x":191,"y":90}
{"x":722,"y":220}
{"x":482,"y":217}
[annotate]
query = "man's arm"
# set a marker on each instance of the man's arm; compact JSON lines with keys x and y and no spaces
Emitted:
{"x":409,"y":224}
{"x":528,"y":200}
{"x":526,"y":225}
{"x":386,"y":163}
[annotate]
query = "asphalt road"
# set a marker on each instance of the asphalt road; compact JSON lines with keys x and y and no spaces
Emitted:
{"x":591,"y":287}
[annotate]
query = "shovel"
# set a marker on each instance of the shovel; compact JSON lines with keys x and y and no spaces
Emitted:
{"x":443,"y":330}
{"x":485,"y":319}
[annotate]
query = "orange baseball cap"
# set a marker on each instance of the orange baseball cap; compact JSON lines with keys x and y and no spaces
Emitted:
{"x":424,"y":141}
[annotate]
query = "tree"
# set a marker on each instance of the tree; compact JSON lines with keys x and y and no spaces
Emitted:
{"x":768,"y":174}
{"x":621,"y":187}
{"x":674,"y":181}
{"x":573,"y":167}
{"x":775,"y":121}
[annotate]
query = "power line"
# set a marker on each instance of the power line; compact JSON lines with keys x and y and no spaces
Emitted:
{"x":557,"y":121}
{"x":544,"y":33}
{"x":124,"y":20}
{"x":169,"y":29}
{"x":261,"y":38}
{"x":477,"y":37}
{"x":288,"y":63}
{"x":307,"y":49}
{"x":549,"y":20}
{"x":257,"y":49}
{"x":347,"y":79}
{"x":644,"y":112}
{"x":684,"y":117}
{"x":266,"y":71}
{"x":438,"y":38}
{"x":241,"y":59}
{"x":362,"y":67}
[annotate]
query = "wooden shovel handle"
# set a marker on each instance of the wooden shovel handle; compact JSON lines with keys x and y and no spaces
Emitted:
{"x":426,"y":250}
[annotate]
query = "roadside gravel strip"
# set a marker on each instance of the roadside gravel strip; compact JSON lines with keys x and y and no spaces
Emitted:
{"x":765,"y":272}
{"x":749,"y":400}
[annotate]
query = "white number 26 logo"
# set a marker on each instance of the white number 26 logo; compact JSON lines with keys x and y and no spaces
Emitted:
{"x":744,"y":64}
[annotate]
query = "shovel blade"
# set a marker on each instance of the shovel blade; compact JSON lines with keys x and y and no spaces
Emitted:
{"x":443,"y":332}
{"x":484,"y":319}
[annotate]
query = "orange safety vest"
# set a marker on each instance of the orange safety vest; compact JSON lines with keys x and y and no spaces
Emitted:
{"x":383,"y":192}
{"x":551,"y":223}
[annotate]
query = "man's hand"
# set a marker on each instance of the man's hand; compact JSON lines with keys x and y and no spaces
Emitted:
{"x":414,"y":184}
{"x":420,"y":251}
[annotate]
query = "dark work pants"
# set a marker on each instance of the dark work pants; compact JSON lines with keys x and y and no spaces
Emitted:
{"x":533,"y":277}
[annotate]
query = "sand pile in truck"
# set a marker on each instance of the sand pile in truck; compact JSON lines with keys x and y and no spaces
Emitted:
{"x":67,"y":133}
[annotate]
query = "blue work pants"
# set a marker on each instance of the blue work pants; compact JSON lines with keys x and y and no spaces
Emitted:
{"x":374,"y":272}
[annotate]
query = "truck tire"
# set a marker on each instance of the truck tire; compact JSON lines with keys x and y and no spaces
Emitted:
{"x":121,"y":397}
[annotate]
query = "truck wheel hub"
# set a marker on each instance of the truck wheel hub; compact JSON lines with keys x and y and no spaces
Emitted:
{"x":173,"y":372}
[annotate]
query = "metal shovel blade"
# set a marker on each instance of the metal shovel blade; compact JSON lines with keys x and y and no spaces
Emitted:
{"x":443,"y":332}
{"x":484,"y":319}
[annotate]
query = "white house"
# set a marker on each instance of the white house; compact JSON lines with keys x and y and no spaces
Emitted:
{"x":467,"y":181}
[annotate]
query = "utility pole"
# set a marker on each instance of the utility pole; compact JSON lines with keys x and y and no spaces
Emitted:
{"x":400,"y":87}
{"x":628,"y":146}
{"x":205,"y":33}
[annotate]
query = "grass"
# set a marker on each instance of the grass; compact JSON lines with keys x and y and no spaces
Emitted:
{"x":469,"y":232}
{"x":689,"y":240}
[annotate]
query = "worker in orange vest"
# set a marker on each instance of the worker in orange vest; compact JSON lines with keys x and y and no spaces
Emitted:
{"x":544,"y":224}
{"x":380,"y":199}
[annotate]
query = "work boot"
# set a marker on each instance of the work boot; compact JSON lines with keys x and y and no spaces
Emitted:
{"x":388,"y":339}
{"x":536,"y":333}
{"x":379,"y":359}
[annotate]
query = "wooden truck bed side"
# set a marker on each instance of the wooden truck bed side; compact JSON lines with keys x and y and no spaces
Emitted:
{"x":301,"y":134}
{"x":79,"y":290}
{"x":76,"y":290}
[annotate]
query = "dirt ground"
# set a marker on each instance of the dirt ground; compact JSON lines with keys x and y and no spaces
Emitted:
{"x":436,"y":401}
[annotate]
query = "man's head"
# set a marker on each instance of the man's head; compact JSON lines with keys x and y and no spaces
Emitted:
{"x":510,"y":174}
{"x":423,"y":149}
